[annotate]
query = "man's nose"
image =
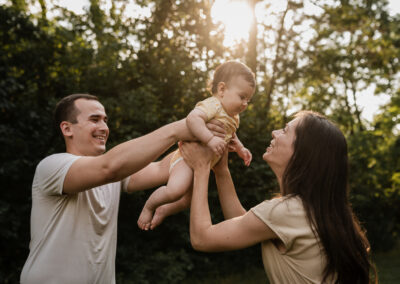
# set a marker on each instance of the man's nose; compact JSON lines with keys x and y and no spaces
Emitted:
{"x":103,"y":125}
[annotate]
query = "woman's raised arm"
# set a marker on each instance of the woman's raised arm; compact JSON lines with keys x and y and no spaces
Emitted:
{"x":230,"y":203}
{"x":235,"y":233}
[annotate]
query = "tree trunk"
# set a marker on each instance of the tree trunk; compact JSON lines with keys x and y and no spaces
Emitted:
{"x":251,"y":57}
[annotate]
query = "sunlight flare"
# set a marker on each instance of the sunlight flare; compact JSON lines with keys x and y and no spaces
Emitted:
{"x":236,"y":17}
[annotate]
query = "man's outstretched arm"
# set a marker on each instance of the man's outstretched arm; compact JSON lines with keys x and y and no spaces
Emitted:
{"x":124,"y":159}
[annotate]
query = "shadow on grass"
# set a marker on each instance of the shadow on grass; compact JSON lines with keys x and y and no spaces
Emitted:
{"x":388,"y":265}
{"x":251,"y":276}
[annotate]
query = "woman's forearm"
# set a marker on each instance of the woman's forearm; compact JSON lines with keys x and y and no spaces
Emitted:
{"x":200,"y":218}
{"x":230,"y":203}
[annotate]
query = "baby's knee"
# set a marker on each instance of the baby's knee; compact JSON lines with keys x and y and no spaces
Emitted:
{"x":174,"y":193}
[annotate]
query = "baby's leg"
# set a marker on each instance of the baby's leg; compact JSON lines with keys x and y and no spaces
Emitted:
{"x":170,"y":209}
{"x":179,"y":182}
{"x":154,"y":174}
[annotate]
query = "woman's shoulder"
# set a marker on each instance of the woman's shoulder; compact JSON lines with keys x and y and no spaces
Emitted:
{"x":290,"y":201}
{"x":285,"y":206}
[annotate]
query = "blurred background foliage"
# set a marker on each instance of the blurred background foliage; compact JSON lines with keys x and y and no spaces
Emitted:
{"x":149,"y":70}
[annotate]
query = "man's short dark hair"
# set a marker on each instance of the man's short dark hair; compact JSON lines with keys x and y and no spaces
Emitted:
{"x":66,"y":110}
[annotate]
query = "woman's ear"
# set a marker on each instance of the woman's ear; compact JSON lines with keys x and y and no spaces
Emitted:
{"x":65,"y":127}
{"x":221,"y":87}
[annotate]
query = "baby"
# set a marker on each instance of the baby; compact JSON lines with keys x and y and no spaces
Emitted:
{"x":232,"y":88}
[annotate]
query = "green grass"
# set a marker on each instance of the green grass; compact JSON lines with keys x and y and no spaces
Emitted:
{"x":388,"y":266}
{"x":251,"y":276}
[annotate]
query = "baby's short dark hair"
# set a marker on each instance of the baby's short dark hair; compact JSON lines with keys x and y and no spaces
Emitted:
{"x":228,"y":70}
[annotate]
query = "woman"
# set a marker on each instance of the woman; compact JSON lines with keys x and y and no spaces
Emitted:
{"x":309,"y":234}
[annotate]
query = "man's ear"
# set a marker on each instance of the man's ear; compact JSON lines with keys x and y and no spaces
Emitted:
{"x":221,"y":87}
{"x":65,"y":127}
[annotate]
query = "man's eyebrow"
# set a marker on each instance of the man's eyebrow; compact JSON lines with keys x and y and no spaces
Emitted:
{"x":97,"y":116}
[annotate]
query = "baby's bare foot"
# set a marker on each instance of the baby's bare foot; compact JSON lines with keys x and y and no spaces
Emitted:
{"x":159,"y":216}
{"x":145,"y":217}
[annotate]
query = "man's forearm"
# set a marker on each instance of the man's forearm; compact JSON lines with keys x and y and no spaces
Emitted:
{"x":124,"y":159}
{"x":131,"y":156}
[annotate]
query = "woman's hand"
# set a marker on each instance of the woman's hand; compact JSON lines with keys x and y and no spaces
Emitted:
{"x":196,"y":155}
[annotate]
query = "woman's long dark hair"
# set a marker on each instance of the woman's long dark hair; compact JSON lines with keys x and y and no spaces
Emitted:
{"x":318,"y":173}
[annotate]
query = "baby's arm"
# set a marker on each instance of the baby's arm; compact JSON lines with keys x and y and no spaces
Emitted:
{"x":236,"y":146}
{"x":196,"y":122}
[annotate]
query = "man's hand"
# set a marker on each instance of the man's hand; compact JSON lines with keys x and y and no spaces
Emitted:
{"x":217,"y":128}
{"x":217,"y":145}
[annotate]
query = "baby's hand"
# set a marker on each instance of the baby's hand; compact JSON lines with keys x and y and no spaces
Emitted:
{"x":217,"y":144}
{"x":245,"y":154}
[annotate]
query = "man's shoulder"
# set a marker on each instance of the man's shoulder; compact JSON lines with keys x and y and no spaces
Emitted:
{"x":55,"y":160}
{"x":50,"y":173}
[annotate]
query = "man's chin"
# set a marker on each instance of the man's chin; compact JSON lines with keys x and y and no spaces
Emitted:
{"x":100,"y":150}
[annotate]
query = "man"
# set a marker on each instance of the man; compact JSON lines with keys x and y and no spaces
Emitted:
{"x":75,"y":195}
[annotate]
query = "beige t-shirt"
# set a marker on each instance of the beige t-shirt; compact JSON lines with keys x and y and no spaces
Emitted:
{"x":73,"y":237}
{"x":303,"y":260}
{"x":213,"y":109}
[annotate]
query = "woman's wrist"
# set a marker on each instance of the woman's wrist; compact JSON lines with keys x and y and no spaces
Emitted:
{"x":221,"y":171}
{"x":202,"y":167}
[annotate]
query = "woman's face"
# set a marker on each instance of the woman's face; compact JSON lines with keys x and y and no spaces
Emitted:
{"x":279,"y":152}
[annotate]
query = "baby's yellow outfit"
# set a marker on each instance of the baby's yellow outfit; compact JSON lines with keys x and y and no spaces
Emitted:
{"x":212,"y":107}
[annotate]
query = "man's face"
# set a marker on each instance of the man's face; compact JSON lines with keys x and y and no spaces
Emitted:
{"x":90,"y":133}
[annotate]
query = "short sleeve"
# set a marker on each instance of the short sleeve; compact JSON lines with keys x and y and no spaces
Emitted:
{"x":125,"y":183}
{"x":285,"y":216}
{"x":50,"y":173}
{"x":210,"y":106}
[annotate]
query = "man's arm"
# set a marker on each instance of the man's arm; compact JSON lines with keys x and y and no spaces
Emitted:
{"x":157,"y":173}
{"x":124,"y":159}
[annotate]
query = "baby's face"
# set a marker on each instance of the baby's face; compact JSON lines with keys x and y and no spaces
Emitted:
{"x":236,"y":95}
